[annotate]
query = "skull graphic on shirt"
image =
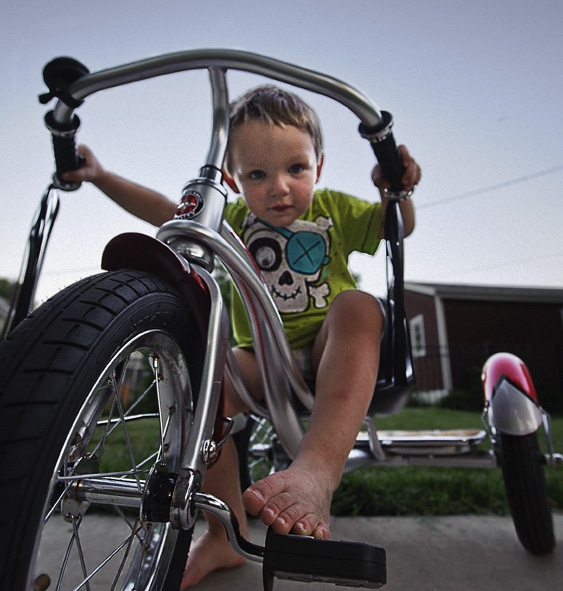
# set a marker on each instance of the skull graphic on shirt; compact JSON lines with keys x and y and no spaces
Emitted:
{"x":291,"y":260}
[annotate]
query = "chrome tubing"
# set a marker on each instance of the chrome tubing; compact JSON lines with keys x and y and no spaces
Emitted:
{"x":226,"y":59}
{"x":119,"y":492}
{"x":220,"y":96}
{"x":272,"y":346}
{"x":222,"y":511}
{"x":210,"y":389}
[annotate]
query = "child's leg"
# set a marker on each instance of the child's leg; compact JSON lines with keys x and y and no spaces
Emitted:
{"x":298,"y":499}
{"x":346,"y":354}
{"x":212,"y":550}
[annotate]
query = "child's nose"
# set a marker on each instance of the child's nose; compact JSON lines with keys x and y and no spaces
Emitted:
{"x":280,"y":186}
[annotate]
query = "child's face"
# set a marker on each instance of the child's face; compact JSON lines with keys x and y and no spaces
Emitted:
{"x":275,"y":168}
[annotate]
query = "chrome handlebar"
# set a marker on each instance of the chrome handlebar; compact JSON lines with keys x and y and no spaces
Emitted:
{"x":223,"y":59}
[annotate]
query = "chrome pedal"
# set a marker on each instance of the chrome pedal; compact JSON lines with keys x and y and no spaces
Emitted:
{"x":302,"y":558}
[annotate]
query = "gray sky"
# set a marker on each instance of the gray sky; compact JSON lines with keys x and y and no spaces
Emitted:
{"x":475,"y":89}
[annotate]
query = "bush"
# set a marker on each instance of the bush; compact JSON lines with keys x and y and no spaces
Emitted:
{"x":552,"y":402}
{"x":462,"y":400}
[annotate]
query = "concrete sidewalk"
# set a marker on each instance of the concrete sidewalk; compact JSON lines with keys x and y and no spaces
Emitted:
{"x":461,"y":553}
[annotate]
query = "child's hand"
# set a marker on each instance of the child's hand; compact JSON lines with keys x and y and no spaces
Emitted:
{"x":90,"y":171}
{"x":411,"y":176}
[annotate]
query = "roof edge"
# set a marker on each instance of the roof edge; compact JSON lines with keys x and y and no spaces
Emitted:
{"x":487,"y":292}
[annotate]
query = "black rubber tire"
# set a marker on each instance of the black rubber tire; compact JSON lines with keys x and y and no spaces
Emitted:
{"x":524,"y":478}
{"x":63,"y":378}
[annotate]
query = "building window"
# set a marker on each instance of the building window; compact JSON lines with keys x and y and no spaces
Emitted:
{"x":418,"y":340}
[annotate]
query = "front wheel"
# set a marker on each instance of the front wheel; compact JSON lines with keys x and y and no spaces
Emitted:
{"x":97,"y":390}
{"x":526,"y":489}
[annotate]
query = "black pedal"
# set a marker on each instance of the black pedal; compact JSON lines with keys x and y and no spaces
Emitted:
{"x":302,"y":558}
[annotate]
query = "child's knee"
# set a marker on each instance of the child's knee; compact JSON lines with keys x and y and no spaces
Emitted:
{"x":360,"y":308}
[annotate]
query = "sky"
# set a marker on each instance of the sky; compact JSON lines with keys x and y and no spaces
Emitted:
{"x":474,"y":88}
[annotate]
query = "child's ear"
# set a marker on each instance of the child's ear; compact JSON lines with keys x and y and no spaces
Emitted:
{"x":320,"y":167}
{"x":230,"y":181}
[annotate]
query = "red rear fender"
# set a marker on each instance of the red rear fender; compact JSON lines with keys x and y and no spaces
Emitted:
{"x":510,"y":367}
{"x":512,"y":402}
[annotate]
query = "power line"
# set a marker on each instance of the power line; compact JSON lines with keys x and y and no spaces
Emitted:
{"x":490,"y":188}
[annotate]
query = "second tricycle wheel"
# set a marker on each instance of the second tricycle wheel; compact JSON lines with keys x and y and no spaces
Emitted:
{"x":526,"y":489}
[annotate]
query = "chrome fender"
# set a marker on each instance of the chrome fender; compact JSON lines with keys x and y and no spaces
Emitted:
{"x":511,"y":400}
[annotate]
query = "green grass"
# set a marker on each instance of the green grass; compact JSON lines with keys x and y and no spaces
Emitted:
{"x":144,"y":436}
{"x":436,"y":491}
{"x":392,"y":491}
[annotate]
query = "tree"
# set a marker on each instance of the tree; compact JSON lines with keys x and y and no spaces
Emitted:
{"x":7,"y":288}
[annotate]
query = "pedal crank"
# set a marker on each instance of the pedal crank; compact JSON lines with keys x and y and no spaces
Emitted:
{"x":302,"y":558}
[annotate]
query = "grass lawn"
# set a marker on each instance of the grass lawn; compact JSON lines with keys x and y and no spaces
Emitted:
{"x":399,"y":490}
{"x":436,"y":491}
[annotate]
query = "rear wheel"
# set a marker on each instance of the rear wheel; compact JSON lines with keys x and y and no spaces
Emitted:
{"x":526,"y":489}
{"x":97,"y":390}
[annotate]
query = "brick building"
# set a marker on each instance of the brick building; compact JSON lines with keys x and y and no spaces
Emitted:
{"x":455,"y":328}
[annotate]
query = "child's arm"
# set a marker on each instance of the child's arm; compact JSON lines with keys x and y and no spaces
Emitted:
{"x":143,"y":203}
{"x":411,"y":177}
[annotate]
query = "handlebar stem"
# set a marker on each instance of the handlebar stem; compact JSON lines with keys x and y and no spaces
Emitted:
{"x":220,"y":97}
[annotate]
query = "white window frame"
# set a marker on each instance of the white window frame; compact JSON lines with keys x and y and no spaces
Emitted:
{"x":418,"y":336}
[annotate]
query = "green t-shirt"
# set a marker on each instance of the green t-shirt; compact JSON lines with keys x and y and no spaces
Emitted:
{"x":305,"y":265}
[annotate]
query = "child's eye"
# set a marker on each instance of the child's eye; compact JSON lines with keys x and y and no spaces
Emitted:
{"x":296,"y":168}
{"x":257,"y":175}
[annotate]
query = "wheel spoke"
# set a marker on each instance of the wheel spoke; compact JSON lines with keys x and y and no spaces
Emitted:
{"x":56,"y":504}
{"x":65,"y":563}
{"x":127,"y":543}
{"x":98,"y":475}
{"x":75,"y":525}
{"x":163,"y":425}
{"x":129,"y":447}
{"x":134,"y":533}
{"x":134,"y":527}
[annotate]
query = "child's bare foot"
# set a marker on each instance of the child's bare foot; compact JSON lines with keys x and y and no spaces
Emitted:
{"x":209,"y":553}
{"x":293,"y":501}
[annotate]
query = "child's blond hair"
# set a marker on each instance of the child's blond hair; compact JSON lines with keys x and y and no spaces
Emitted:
{"x":276,"y":106}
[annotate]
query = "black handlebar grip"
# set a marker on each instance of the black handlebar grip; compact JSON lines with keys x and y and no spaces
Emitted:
{"x":386,"y":151}
{"x":65,"y":150}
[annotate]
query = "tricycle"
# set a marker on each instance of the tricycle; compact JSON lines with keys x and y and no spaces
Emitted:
{"x":110,"y":392}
